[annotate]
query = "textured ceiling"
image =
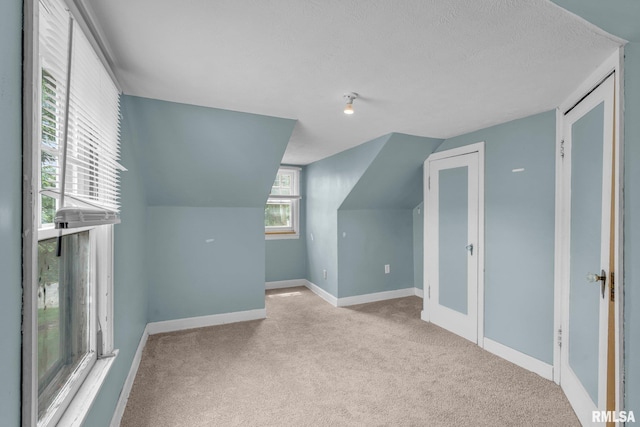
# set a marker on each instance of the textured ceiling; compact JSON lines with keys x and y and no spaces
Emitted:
{"x":436,"y":68}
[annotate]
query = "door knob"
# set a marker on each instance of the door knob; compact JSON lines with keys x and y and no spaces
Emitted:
{"x":602,"y":278}
{"x":469,"y":247}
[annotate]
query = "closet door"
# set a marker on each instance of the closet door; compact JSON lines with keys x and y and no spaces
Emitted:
{"x":452,"y":242}
{"x":587,"y":175}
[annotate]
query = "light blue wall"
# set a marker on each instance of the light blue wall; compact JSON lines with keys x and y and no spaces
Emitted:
{"x":286,"y":259}
{"x":130,"y":278}
{"x":418,"y":246}
{"x":361,"y":191}
{"x":207,"y":174}
{"x":369,"y":239}
{"x":378,"y":219}
{"x":620,"y":18}
{"x":10,"y":209}
{"x":207,"y":157}
{"x":394,"y":178}
{"x":519,"y":232}
{"x":328,"y":182}
{"x":189,"y":276}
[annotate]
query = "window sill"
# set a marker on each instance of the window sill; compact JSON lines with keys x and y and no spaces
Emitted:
{"x":83,"y":400}
{"x":281,"y":236}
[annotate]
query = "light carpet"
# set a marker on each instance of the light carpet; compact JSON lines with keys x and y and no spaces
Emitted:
{"x":311,"y":364}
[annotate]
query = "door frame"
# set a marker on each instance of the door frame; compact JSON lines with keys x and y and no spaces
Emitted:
{"x":454,"y":152}
{"x":613,"y":64}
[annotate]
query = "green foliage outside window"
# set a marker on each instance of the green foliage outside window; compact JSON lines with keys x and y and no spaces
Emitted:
{"x":49,"y":137}
{"x":277,"y":215}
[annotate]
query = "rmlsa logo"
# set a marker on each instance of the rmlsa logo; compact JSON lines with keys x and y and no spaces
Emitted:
{"x":612,"y":416}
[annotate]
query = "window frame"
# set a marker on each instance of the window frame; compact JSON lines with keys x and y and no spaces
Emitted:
{"x":292,"y":232}
{"x":73,"y":403}
{"x":88,"y":360}
{"x":101,"y":310}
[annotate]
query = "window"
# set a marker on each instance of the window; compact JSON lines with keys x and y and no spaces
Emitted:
{"x":282,"y":211}
{"x":64,"y":306}
{"x":68,"y":309}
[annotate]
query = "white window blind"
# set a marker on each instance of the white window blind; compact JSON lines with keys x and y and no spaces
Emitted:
{"x":87,"y":143}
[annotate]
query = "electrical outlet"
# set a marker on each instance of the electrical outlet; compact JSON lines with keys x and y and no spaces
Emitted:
{"x":387,"y":269}
{"x":324,"y":274}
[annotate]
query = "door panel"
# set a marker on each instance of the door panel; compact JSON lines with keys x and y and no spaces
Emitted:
{"x":587,"y":174}
{"x":451,"y":243}
{"x":453,"y":212}
{"x":585,"y":247}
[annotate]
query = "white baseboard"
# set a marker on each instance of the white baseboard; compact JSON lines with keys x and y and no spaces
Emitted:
{"x":128,"y":383}
{"x":357,"y":299}
{"x":322,"y":293}
{"x":281,"y":284}
{"x":203,"y":321}
{"x":376,"y":296}
{"x":523,"y":360}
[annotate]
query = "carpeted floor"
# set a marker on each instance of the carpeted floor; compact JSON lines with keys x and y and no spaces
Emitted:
{"x":311,"y":364}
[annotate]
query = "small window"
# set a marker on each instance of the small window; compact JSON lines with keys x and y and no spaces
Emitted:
{"x":282,"y":211}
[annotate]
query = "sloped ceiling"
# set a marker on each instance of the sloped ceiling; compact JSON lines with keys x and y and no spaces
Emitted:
{"x":331,"y":180}
{"x":435,"y":68}
{"x":204,"y":157}
{"x":394,"y":178}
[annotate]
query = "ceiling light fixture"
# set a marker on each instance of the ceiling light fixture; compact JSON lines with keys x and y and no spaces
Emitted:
{"x":348,"y":109}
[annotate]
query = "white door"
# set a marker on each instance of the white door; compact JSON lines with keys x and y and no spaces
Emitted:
{"x":587,"y":177}
{"x":452,"y":241}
